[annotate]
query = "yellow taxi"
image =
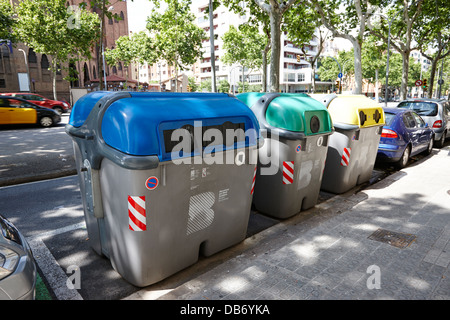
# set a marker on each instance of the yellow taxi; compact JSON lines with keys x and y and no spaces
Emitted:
{"x":19,"y":111}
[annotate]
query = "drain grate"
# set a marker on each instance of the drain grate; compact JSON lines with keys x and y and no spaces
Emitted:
{"x":396,"y":239}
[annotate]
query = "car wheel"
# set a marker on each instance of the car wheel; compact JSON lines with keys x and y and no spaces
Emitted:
{"x":441,"y":141}
{"x":430,"y":146}
{"x":46,"y":121}
{"x":405,"y":158}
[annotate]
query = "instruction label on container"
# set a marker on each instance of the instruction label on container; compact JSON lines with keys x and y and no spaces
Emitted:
{"x":223,"y":194}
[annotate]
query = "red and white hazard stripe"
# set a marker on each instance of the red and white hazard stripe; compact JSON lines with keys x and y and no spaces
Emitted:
{"x":253,"y":182}
{"x":137,"y":220}
{"x":288,"y":172}
{"x":346,"y":157}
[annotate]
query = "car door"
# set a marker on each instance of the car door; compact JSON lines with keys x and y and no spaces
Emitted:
{"x":412,"y":131}
{"x":21,"y":112}
{"x":446,"y":111}
{"x":4,"y":112}
{"x":424,"y":138}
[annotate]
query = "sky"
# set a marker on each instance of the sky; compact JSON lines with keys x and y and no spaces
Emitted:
{"x":138,"y":11}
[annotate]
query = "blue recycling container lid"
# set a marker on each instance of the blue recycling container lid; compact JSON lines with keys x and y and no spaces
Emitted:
{"x":142,"y":123}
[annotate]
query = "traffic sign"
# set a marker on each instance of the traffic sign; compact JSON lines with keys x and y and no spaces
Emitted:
{"x":340,"y":75}
{"x":440,"y":81}
{"x":418,"y":83}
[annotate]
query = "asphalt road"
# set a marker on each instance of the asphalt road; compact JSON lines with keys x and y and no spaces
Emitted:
{"x":31,"y":153}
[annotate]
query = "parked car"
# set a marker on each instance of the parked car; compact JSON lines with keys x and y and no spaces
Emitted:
{"x":434,"y":112}
{"x":19,"y":111}
{"x":17,"y":265}
{"x":59,"y":106}
{"x":404,"y":135}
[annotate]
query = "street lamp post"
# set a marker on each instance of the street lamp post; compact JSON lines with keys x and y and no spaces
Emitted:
{"x":28,"y":68}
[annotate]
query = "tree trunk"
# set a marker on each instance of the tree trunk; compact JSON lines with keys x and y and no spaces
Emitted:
{"x":100,"y":52}
{"x":275,"y":39}
{"x":313,"y":79}
{"x":432,"y":76}
{"x":211,"y":41}
{"x":264,"y":70}
{"x":176,"y":76}
{"x":55,"y":96}
{"x":405,"y":69}
{"x":358,"y":67}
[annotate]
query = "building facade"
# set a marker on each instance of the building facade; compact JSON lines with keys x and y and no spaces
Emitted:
{"x":24,"y":70}
{"x":295,"y":73}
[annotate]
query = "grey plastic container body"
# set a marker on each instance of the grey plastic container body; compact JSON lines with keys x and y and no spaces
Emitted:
{"x":359,"y":147}
{"x":196,"y":208}
{"x":275,"y":196}
{"x":290,"y":163}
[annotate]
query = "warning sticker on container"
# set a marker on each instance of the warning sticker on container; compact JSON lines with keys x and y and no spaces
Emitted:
{"x":137,"y":217}
{"x":288,"y":172}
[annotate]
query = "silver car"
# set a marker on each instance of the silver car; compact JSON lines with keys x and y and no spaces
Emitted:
{"x":434,"y":112}
{"x":17,"y":265}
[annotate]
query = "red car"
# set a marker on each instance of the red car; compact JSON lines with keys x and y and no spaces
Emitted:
{"x":59,"y":106}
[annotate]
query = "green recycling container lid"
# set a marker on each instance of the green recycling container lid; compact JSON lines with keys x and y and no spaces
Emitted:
{"x":295,"y":112}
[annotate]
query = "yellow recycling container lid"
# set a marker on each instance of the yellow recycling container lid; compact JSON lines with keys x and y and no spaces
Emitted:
{"x":356,"y":110}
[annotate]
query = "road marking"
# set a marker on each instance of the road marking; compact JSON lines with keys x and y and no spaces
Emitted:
{"x":44,"y":235}
{"x":52,"y":271}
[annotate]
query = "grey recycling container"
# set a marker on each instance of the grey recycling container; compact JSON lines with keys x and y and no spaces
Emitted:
{"x":295,"y":128}
{"x":353,"y":146}
{"x":159,"y":186}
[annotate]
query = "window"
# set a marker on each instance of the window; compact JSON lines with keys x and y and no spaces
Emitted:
{"x":289,"y":77}
{"x":122,"y":16}
{"x":301,"y":77}
{"x":33,"y":97}
{"x":5,"y":51}
{"x":44,"y":62}
{"x":421,"y":107}
{"x":408,"y":119}
{"x":254,"y":78}
{"x":2,"y":83}
{"x":114,"y":70}
{"x":32,"y":56}
{"x":419,"y":121}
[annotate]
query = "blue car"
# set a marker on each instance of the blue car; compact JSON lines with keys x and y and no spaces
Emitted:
{"x":404,"y":135}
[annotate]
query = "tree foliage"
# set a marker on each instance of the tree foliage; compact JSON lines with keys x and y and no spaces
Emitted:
{"x":137,"y":47}
{"x":50,"y":28}
{"x":176,"y":38}
{"x":6,"y":20}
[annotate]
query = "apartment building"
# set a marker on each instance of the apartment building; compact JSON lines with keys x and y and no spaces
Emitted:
{"x":295,"y":73}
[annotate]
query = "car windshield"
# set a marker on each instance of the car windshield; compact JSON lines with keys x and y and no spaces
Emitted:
{"x":389,"y":117}
{"x":422,"y":108}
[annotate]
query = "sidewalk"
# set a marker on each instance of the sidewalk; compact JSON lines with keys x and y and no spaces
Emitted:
{"x":326,"y":252}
